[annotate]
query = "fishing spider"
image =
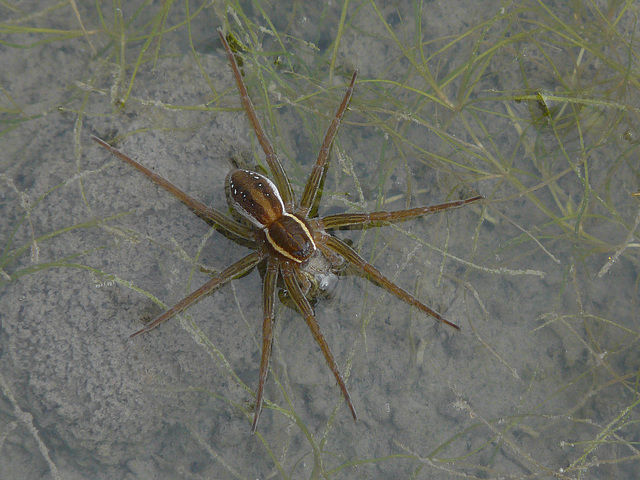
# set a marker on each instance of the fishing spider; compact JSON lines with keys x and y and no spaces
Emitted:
{"x":282,"y":235}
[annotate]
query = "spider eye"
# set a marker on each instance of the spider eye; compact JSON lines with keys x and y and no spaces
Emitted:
{"x":255,"y":197}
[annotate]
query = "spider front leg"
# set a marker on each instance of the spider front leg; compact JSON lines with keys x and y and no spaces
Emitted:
{"x":307,"y":312}
{"x":372,"y":272}
{"x":268,"y":300}
{"x":238,"y":269}
{"x":366,"y":219}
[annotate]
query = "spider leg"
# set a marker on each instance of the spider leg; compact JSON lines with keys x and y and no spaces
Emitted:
{"x":279,"y":175}
{"x":268,"y":300}
{"x":233,"y":271}
{"x":366,"y":219}
{"x":357,"y":261}
{"x":307,"y":312}
{"x":311,"y":188}
{"x":200,"y":208}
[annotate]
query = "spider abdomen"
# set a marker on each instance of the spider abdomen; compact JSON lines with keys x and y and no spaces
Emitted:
{"x":255,"y":197}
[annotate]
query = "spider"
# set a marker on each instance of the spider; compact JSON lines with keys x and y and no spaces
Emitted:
{"x":293,"y":245}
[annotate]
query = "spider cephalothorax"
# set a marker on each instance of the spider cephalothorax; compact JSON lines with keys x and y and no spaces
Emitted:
{"x":294,"y":247}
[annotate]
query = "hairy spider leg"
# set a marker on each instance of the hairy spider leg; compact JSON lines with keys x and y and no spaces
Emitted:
{"x":279,"y":175}
{"x":367,"y":219}
{"x":200,"y":208}
{"x":268,"y":300}
{"x":373,"y":273}
{"x":306,"y":310}
{"x":315,"y":177}
{"x":236,"y":270}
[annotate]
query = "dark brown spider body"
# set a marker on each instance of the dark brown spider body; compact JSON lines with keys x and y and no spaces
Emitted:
{"x":296,"y":249}
{"x":257,"y":199}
